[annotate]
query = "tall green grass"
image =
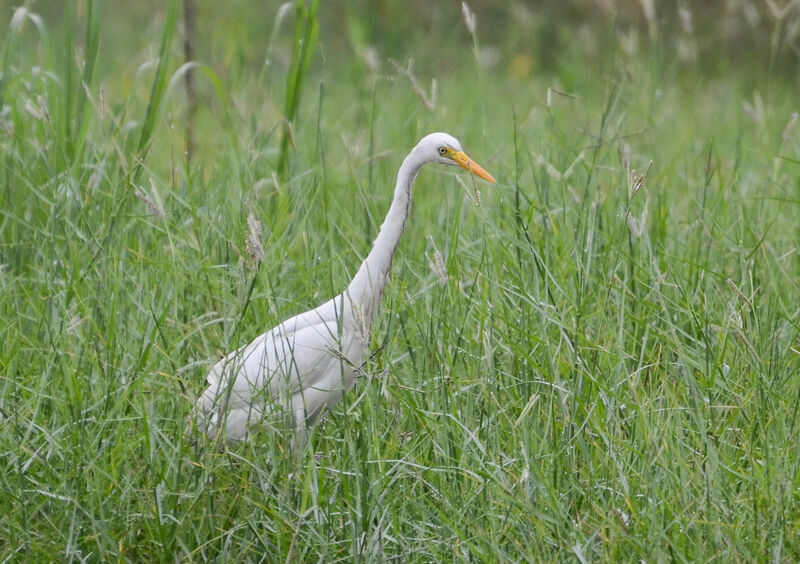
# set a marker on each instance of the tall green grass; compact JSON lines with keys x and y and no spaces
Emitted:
{"x":608,"y":371}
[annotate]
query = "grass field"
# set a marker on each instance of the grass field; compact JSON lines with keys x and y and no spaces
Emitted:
{"x":607,"y":368}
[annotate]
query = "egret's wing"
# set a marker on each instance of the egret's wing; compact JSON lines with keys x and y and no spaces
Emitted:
{"x":305,"y":352}
{"x":278,"y":345}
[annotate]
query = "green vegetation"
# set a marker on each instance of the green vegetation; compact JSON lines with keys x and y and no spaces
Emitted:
{"x":608,"y":368}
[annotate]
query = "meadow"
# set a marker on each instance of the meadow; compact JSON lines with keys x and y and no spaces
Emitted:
{"x":595,"y":359}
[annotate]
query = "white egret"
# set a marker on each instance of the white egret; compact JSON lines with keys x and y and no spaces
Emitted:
{"x":303,"y":366}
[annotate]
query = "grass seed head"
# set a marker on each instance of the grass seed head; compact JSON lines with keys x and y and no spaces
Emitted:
{"x":787,"y":132}
{"x":253,"y":242}
{"x":469,"y":18}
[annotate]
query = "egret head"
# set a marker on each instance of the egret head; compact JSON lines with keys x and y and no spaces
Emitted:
{"x":445,"y":149}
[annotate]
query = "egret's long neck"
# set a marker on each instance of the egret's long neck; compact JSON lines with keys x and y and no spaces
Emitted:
{"x":367,"y":286}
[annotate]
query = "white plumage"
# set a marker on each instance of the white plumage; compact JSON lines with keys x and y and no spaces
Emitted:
{"x":302,"y":367}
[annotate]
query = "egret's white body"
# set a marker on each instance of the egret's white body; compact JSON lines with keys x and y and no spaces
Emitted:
{"x":303,"y":366}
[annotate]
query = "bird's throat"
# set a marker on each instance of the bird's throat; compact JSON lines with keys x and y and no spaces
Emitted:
{"x":367,"y":286}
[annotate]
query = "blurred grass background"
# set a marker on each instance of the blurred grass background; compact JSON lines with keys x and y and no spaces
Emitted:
{"x":608,"y":370}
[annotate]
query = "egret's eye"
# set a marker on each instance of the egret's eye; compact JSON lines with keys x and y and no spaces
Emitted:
{"x":442,"y":151}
